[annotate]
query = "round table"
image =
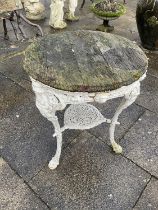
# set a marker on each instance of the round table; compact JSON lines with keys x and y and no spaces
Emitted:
{"x":76,"y":68}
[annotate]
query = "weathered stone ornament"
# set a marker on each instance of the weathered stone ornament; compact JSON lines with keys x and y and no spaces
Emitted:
{"x":71,"y":14}
{"x":80,"y":67}
{"x":107,"y":10}
{"x":84,"y":1}
{"x":57,"y":13}
{"x":34,"y":9}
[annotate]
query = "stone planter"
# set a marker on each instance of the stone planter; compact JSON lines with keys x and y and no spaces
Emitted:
{"x":107,"y":16}
{"x":147,"y":23}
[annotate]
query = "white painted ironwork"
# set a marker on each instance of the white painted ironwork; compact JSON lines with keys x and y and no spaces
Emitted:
{"x":80,"y":115}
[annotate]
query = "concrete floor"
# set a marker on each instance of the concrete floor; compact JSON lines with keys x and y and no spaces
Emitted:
{"x":90,"y":176}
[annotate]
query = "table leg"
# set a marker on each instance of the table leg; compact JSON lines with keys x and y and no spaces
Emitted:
{"x":48,"y":103}
{"x":126,"y":101}
{"x":5,"y":30}
{"x":47,"y":112}
{"x":55,"y":160}
{"x":83,"y":3}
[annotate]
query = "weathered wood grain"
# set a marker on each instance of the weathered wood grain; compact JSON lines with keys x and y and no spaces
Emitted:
{"x":85,"y":61}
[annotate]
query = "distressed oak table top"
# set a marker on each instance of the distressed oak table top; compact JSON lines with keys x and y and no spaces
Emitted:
{"x":88,"y":61}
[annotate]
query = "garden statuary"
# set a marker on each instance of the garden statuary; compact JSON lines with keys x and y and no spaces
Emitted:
{"x":11,"y":10}
{"x":84,"y":1}
{"x":57,"y":13}
{"x":107,"y":10}
{"x":34,"y":9}
{"x":147,"y":23}
{"x":81,"y":67}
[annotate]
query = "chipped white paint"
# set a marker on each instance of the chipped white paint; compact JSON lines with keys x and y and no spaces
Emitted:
{"x":81,"y":115}
{"x":110,"y":196}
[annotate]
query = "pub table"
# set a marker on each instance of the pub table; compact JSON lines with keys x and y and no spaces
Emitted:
{"x":76,"y":68}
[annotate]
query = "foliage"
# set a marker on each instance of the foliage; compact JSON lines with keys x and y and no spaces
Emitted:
{"x":110,"y":8}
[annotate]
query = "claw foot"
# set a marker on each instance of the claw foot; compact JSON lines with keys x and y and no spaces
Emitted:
{"x":117,"y":148}
{"x":53,"y":163}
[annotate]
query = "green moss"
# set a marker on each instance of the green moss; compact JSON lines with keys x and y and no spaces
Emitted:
{"x":93,"y":74}
{"x":11,"y":55}
{"x":120,"y":12}
{"x":152,"y":21}
{"x":137,"y":74}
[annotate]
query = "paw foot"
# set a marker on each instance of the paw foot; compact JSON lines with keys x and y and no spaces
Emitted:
{"x":53,"y":164}
{"x":117,"y":148}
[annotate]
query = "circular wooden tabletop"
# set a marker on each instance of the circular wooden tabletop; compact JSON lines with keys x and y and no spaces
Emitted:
{"x":85,"y":61}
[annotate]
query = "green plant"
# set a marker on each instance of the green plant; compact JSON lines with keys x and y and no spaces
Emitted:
{"x":117,"y":9}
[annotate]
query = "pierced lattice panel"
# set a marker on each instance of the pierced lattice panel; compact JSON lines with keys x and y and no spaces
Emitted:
{"x":82,"y":116}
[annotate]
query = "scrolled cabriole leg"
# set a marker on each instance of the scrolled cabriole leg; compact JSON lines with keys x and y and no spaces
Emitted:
{"x":48,"y":103}
{"x":55,"y":160}
{"x":126,"y":101}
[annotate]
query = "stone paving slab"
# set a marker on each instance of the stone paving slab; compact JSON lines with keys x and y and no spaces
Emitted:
{"x":149,"y":94}
{"x":13,"y":68}
{"x":153,"y":63}
{"x":27,"y":142}
{"x":149,"y":198}
{"x":8,"y":47}
{"x":90,"y":176}
{"x":141,"y":143}
{"x":127,"y":118}
{"x":11,"y":95}
{"x":15,"y":194}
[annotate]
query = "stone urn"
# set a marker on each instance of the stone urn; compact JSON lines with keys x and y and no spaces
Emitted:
{"x":147,"y":23}
{"x":107,"y":10}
